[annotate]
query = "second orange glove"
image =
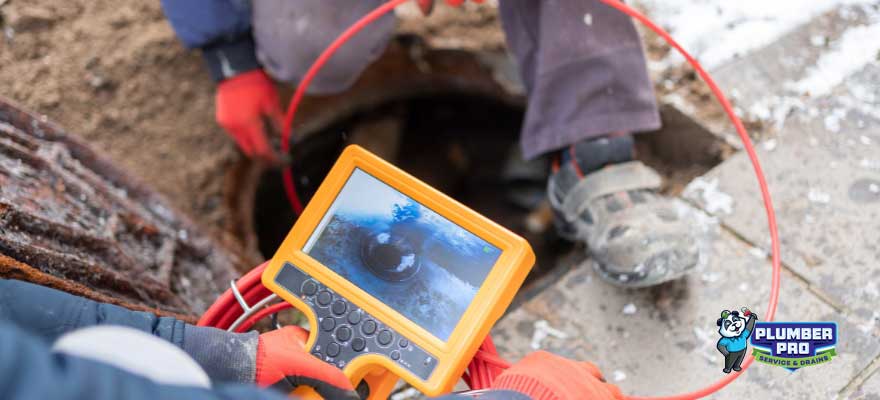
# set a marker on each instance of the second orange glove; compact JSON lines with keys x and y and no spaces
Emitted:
{"x":244,"y":103}
{"x":545,"y":376}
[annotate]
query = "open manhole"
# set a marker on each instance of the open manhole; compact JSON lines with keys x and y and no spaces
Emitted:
{"x":463,"y":142}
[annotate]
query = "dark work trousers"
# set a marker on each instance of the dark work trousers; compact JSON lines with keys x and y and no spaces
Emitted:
{"x":734,"y":359}
{"x":581,"y":61}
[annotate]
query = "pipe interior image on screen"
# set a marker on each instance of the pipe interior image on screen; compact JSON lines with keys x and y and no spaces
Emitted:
{"x":407,"y":256}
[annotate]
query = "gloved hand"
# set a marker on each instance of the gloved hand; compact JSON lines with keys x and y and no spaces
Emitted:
{"x":543,"y":376}
{"x":283,"y":364}
{"x":244,"y":103}
{"x":428,"y":5}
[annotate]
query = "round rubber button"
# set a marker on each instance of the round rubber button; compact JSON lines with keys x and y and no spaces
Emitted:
{"x":332,"y":349}
{"x":369,"y":327}
{"x":343,"y":333}
{"x":385,"y":337}
{"x":328,"y":324}
{"x":395,"y":355}
{"x":339,"y":307}
{"x":358,"y":344}
{"x":354,"y":317}
{"x":309,"y":288}
{"x":403,"y":342}
{"x":324,"y":298}
{"x":318,"y":355}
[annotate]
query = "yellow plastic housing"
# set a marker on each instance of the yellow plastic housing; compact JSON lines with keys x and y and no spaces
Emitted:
{"x":491,"y":300}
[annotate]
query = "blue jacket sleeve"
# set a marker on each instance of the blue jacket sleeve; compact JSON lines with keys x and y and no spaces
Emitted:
{"x":47,"y":314}
{"x":221,"y":28}
{"x":202,"y":22}
{"x":50,"y":313}
{"x":29,"y":371}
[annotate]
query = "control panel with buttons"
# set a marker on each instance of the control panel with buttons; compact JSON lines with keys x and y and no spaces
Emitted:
{"x":376,"y":255}
{"x":346,"y":331}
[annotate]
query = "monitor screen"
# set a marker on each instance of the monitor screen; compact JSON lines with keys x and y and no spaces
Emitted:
{"x":404,"y":254}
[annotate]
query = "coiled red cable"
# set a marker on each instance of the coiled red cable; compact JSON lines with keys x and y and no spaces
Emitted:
{"x":486,"y":364}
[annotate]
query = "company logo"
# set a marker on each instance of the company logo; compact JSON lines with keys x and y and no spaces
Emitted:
{"x":735,"y":328}
{"x":793,"y":345}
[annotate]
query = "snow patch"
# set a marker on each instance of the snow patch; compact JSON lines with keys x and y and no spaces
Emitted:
{"x":818,"y":196}
{"x":856,"y":48}
{"x":758,"y":253}
{"x":832,"y":120}
{"x":775,"y":109}
{"x":714,"y":200}
{"x":869,"y":164}
{"x":715,"y":31}
{"x":544,"y":330}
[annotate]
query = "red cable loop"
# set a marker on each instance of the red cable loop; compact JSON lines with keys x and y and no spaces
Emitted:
{"x":289,"y":184}
{"x":486,"y":363}
{"x":759,"y":174}
{"x":273,"y":309}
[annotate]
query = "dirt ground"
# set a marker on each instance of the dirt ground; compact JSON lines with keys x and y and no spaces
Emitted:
{"x":114,"y":73}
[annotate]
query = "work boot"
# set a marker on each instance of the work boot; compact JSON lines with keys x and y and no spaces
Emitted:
{"x":636,"y":236}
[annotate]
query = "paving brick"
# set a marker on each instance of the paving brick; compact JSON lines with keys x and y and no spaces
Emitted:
{"x":824,"y":176}
{"x":823,"y":165}
{"x":869,"y":390}
{"x":662,"y":340}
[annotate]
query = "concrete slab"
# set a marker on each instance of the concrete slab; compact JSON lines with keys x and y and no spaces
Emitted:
{"x":824,"y":175}
{"x":870,"y":390}
{"x":823,"y":165}
{"x":662,"y":340}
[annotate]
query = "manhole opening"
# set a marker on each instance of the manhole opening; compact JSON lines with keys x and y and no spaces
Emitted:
{"x":466,"y":145}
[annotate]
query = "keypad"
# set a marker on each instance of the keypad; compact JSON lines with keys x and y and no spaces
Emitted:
{"x":328,"y":323}
{"x":333,"y":349}
{"x":310,"y":287}
{"x":324,"y":298}
{"x":354,"y":317}
{"x":385,"y":337}
{"x":339,"y":307}
{"x":343,"y":333}
{"x":369,"y":327}
{"x":358,"y":344}
{"x":347,"y":331}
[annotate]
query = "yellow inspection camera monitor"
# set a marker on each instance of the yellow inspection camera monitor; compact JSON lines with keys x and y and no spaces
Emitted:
{"x":396,"y":278}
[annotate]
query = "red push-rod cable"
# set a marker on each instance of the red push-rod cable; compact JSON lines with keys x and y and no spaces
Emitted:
{"x":759,"y":174}
{"x":287,"y":175}
{"x":480,"y":368}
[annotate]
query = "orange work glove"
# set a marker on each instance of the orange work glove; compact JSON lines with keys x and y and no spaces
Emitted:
{"x":283,"y":364}
{"x":545,"y":376}
{"x":244,"y":102}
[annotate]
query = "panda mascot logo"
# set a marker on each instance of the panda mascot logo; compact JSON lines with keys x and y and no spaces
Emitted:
{"x":735,"y":329}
